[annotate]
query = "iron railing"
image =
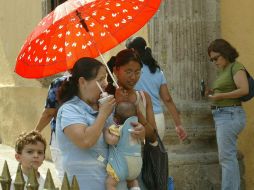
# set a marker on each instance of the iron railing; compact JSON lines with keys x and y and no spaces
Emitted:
{"x":32,"y":183}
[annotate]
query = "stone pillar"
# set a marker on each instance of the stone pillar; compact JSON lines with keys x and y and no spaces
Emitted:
{"x":46,"y":7}
{"x":179,"y":35}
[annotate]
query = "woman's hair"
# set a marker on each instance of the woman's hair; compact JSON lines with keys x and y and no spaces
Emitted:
{"x":125,"y":56}
{"x":122,"y":58}
{"x":145,"y":53}
{"x":32,"y":137}
{"x":85,"y":67}
{"x":224,"y":48}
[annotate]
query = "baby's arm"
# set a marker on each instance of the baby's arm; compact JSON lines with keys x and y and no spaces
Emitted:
{"x":109,"y":137}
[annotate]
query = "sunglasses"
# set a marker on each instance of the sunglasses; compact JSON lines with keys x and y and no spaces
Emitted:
{"x":215,"y":58}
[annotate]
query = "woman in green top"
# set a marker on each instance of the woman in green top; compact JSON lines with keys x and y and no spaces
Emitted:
{"x":229,"y":117}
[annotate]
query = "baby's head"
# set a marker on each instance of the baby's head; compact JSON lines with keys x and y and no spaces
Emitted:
{"x":124,"y":110}
{"x":30,"y":149}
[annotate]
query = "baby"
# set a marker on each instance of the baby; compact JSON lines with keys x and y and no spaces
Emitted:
{"x":30,"y":153}
{"x":124,"y":162}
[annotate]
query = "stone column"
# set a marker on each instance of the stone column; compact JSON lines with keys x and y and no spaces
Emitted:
{"x":179,"y":35}
{"x":46,"y":7}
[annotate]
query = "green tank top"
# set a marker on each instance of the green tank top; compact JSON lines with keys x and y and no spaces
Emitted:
{"x":225,"y":83}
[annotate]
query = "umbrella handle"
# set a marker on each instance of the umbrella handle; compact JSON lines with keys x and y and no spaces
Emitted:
{"x":110,"y":73}
{"x":83,"y":23}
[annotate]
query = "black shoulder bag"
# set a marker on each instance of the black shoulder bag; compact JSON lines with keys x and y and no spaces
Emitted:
{"x":155,"y":166}
{"x":251,"y":86}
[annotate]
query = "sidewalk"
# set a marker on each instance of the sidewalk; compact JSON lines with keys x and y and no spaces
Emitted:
{"x":7,"y":153}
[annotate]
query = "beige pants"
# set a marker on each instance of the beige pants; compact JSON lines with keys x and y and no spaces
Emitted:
{"x":56,"y":157}
{"x":160,"y":123}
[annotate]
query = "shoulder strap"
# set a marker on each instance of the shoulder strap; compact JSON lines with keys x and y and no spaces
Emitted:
{"x":98,"y":156}
{"x":231,"y":71}
{"x":143,"y":97}
{"x":232,"y":76}
{"x":141,"y":102}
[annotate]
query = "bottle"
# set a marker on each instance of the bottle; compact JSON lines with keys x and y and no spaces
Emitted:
{"x":202,"y":88}
{"x":170,"y":183}
{"x":104,"y":96}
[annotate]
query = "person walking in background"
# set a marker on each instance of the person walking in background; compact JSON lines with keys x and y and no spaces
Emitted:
{"x":49,"y":116}
{"x":230,"y":84}
{"x":30,"y":150}
{"x":80,"y":123}
{"x":152,"y":80}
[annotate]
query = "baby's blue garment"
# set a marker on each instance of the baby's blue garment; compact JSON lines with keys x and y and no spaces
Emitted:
{"x":126,"y":149}
{"x":151,"y":83}
{"x":90,"y":172}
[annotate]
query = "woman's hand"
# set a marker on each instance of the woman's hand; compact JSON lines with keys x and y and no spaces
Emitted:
{"x":139,"y":131}
{"x":213,"y":96}
{"x":181,"y":132}
{"x":217,"y":96}
{"x":208,"y":92}
{"x":107,"y":107}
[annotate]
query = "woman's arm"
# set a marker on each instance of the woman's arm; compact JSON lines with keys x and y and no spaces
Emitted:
{"x":170,"y":105}
{"x":86,"y":137}
{"x":241,"y":82}
{"x":83,"y":136}
{"x":150,"y":124}
{"x":46,"y":116}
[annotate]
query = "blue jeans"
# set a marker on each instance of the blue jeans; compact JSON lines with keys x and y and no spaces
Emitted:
{"x":229,"y":122}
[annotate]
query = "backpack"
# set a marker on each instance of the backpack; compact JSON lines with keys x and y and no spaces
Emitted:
{"x":251,"y":86}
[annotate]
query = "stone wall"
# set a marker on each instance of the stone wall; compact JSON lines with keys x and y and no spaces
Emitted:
{"x":21,"y":99}
{"x":237,"y":27}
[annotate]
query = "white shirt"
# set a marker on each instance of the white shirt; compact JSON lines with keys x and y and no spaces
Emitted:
{"x":41,"y":181}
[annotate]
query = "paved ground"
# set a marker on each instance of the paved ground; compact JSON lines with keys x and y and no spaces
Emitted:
{"x":7,"y":153}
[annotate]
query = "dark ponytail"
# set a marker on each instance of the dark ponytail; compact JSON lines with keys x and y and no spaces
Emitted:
{"x":67,"y":90}
{"x":145,"y":53}
{"x":85,"y":67}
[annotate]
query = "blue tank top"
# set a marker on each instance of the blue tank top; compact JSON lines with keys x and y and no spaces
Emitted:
{"x":151,"y":83}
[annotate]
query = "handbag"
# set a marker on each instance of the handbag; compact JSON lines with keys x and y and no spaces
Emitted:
{"x":250,"y":95}
{"x":155,"y":165}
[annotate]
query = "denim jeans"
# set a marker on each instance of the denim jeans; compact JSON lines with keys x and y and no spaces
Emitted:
{"x":229,"y":122}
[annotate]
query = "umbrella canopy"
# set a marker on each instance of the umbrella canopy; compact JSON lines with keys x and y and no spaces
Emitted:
{"x":80,"y":28}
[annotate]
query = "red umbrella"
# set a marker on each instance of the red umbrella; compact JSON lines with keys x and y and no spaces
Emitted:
{"x":79,"y":28}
